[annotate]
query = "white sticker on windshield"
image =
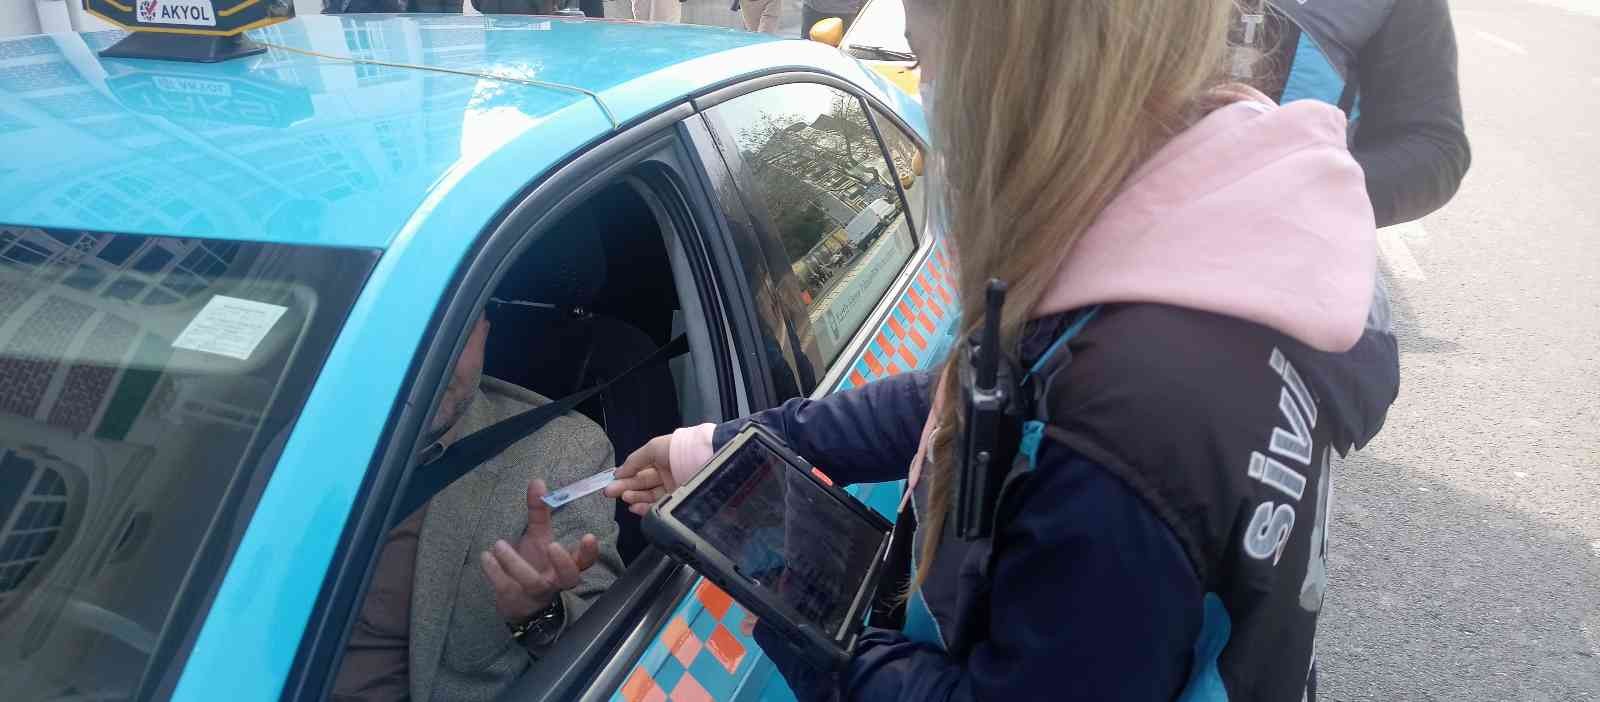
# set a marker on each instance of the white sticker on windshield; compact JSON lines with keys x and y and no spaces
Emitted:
{"x":229,"y":326}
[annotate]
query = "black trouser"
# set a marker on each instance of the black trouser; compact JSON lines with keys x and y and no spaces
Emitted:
{"x":809,"y":17}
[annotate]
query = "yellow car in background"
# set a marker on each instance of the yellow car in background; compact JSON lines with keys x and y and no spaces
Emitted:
{"x":878,"y":39}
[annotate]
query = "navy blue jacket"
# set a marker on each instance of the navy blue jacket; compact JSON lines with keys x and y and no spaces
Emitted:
{"x":1122,"y":567}
{"x":1124,"y":633}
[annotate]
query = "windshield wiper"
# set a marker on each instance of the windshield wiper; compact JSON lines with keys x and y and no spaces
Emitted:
{"x":882,"y":53}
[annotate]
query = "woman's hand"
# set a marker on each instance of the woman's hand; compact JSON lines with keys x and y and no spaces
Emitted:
{"x":646,"y":476}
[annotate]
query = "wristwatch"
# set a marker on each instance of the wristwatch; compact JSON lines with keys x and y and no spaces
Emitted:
{"x":541,"y":629}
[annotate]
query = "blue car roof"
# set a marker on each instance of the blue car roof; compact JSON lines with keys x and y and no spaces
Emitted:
{"x":351,"y":130}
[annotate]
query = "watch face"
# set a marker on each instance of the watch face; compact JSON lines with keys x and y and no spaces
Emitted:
{"x":542,"y":628}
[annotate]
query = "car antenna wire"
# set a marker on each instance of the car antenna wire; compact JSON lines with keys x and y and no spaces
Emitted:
{"x":471,"y":74}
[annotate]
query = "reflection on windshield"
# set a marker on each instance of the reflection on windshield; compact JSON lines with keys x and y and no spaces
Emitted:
{"x":881,"y":24}
{"x":140,"y":379}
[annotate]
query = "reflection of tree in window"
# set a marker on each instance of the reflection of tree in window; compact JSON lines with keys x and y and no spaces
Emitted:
{"x":816,"y":177}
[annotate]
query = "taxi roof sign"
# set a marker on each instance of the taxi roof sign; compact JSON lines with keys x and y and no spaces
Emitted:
{"x":188,"y":30}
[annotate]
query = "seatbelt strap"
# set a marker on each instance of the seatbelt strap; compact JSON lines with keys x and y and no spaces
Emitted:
{"x":474,"y":449}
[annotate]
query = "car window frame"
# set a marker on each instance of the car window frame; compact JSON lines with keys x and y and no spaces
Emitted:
{"x":519,"y":225}
{"x":597,"y":652}
{"x":730,"y":237}
{"x":746,"y":266}
{"x":829,"y":378}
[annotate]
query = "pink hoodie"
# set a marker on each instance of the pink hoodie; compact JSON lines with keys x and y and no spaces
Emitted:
{"x":1257,"y":212}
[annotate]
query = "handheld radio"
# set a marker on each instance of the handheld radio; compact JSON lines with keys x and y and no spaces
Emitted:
{"x":990,"y":434}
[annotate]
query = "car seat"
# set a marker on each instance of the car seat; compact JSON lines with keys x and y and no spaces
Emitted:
{"x":562,"y":346}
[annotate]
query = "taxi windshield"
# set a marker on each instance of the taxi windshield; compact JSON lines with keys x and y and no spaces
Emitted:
{"x":146,"y":385}
{"x":879,"y":33}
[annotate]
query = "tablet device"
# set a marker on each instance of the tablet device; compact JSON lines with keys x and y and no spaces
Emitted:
{"x":771,"y":530}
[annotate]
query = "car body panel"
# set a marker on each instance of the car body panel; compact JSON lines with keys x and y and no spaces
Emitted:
{"x":903,"y":74}
{"x":295,"y":154}
{"x":883,"y":23}
{"x":279,"y":147}
{"x":407,"y":134}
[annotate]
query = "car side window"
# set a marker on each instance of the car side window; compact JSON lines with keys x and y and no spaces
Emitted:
{"x":909,"y":166}
{"x":816,"y":174}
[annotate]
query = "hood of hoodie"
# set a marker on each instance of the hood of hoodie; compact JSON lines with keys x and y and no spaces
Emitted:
{"x":1257,"y":212}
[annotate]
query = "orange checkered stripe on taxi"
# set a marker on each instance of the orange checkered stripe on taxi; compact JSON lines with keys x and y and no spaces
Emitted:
{"x":914,"y":334}
{"x":704,"y":653}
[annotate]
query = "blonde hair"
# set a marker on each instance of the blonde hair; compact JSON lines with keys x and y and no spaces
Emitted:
{"x":1043,"y":110}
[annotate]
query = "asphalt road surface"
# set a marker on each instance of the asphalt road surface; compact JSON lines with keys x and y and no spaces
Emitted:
{"x":1465,"y":546}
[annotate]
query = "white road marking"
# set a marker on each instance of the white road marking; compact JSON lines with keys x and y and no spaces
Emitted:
{"x":1582,"y":7}
{"x":1502,"y":42}
{"x":1519,"y":474}
{"x":1392,"y":246}
{"x":1588,"y":635}
{"x":1596,"y":547}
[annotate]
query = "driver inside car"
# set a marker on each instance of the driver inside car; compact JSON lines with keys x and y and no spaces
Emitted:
{"x":471,"y":588}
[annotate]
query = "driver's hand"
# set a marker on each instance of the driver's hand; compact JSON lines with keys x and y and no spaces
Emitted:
{"x":529,"y":576}
{"x":646,"y":476}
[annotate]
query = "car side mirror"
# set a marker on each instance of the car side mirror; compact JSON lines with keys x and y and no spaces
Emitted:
{"x":829,"y":31}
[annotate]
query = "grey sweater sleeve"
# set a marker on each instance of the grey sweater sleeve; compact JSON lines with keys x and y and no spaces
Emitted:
{"x":1410,"y":137}
{"x":593,"y":515}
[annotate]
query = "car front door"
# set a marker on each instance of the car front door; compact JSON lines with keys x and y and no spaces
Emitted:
{"x":819,"y":190}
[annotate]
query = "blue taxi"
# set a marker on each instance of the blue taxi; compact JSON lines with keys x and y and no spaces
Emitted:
{"x":231,"y":295}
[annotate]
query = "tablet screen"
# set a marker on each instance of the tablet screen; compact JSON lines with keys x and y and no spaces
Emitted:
{"x":782,"y":530}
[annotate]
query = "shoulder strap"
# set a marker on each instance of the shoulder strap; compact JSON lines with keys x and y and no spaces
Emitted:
{"x":472,"y":450}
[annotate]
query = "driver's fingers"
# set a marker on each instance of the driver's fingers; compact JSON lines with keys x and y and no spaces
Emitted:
{"x":565,"y":571}
{"x":498,"y":578}
{"x":509,"y":596}
{"x":641,"y":509}
{"x":539,"y":531}
{"x":528,"y":578}
{"x":588,"y":551}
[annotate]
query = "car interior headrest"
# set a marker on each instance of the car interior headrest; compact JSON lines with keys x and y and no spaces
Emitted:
{"x":565,"y":266}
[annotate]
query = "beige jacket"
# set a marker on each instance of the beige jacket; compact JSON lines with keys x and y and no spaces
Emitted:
{"x":461,"y":650}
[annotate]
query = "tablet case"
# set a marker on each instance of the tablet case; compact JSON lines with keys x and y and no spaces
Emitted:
{"x":824,"y":649}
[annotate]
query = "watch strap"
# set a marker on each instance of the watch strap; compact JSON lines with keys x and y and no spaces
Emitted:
{"x":542,"y":628}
